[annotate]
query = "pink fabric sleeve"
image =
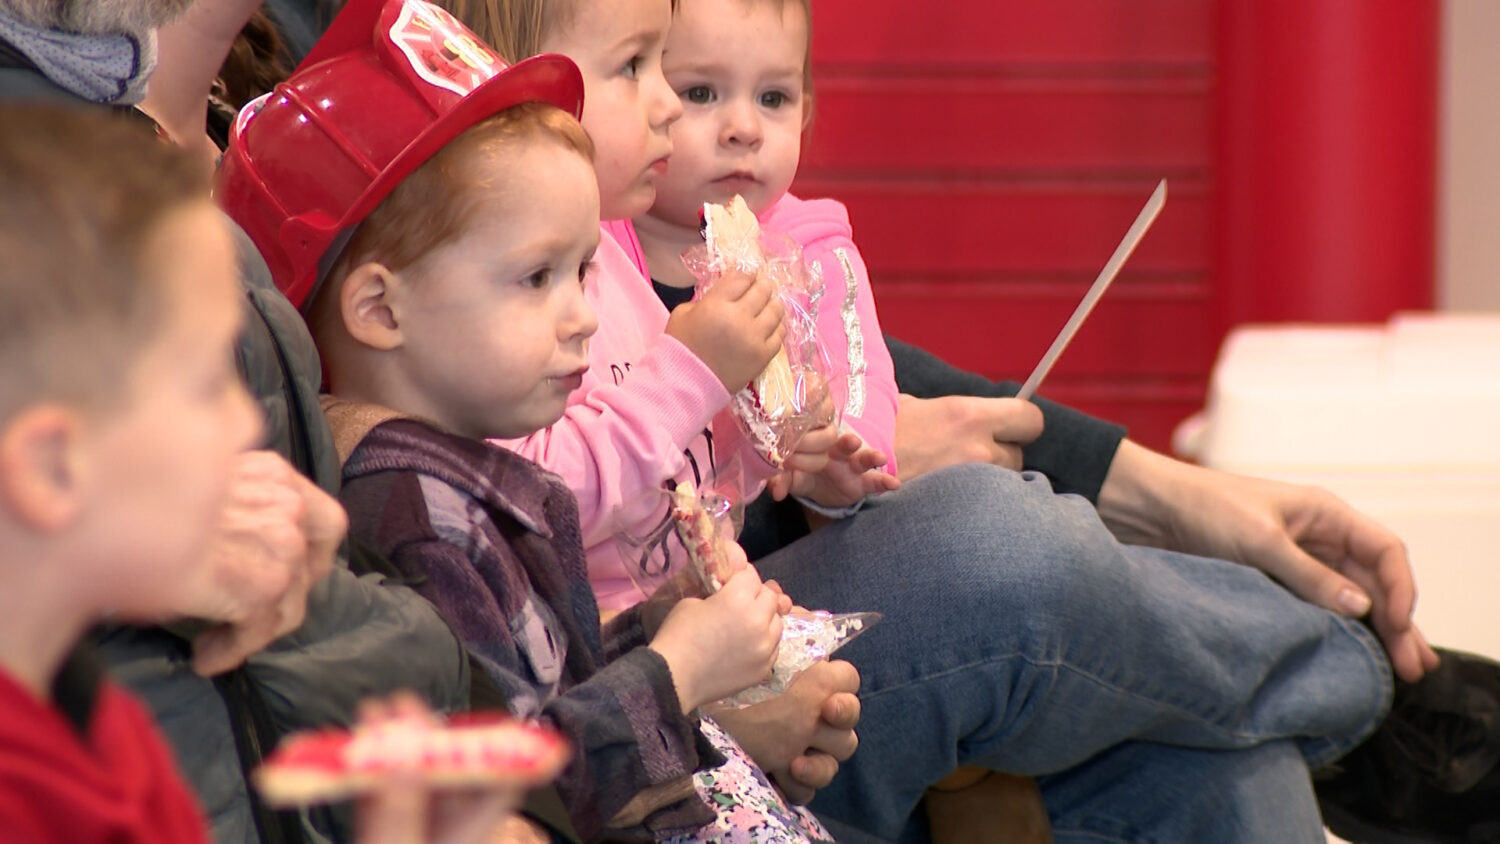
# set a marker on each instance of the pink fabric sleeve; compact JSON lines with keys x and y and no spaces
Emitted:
{"x":847,"y":322}
{"x":851,"y":333}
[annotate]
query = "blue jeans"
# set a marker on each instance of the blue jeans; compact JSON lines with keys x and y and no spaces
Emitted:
{"x":1156,"y":696}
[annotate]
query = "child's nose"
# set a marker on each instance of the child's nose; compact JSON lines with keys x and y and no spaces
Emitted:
{"x":666,"y":106}
{"x":741,"y":126}
{"x":578,"y":318}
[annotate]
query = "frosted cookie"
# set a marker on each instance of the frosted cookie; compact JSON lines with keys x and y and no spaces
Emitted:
{"x":477,"y":749}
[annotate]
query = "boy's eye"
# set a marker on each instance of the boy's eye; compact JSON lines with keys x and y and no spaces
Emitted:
{"x":536,"y":280}
{"x":629,"y":69}
{"x":774,"y":99}
{"x":698,"y":95}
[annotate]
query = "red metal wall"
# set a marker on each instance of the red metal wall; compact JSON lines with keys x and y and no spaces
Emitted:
{"x":992,"y":154}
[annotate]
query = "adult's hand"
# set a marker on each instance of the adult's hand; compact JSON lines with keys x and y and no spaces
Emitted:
{"x":1314,"y":543}
{"x":278,"y":535}
{"x":800,"y":737}
{"x":933,"y":434}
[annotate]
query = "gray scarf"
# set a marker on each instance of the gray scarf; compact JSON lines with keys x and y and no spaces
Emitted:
{"x":99,"y":68}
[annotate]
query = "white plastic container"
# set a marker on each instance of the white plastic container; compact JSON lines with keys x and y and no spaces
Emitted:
{"x":1402,"y":420}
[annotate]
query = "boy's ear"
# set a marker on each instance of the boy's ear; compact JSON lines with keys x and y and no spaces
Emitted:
{"x":369,"y":306}
{"x":41,"y":467}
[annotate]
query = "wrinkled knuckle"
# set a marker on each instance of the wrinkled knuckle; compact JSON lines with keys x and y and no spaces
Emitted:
{"x":1011,"y":457}
{"x":974,"y":452}
{"x":962,"y":413}
{"x":279,"y":582}
{"x":827,"y":770}
{"x":286,"y":539}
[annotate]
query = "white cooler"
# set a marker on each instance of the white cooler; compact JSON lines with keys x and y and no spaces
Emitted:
{"x":1401,"y":420}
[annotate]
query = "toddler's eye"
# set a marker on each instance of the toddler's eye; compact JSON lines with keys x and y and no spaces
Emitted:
{"x":774,"y":99}
{"x":630,"y":68}
{"x":587,"y":270}
{"x":698,"y":95}
{"x":536,"y":280}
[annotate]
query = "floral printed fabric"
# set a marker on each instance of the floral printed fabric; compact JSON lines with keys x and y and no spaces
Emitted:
{"x":750,"y":810}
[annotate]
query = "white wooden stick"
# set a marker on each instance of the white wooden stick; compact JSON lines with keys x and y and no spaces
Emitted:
{"x":1132,"y":238}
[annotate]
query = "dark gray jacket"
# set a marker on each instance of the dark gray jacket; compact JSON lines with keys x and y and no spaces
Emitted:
{"x":362,"y":636}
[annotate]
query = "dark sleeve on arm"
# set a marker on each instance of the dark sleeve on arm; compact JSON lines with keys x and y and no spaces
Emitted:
{"x":635,"y":751}
{"x":1074,"y":450}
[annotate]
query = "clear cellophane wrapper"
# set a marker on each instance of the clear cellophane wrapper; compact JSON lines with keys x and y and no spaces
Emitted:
{"x":682,"y":556}
{"x":649,"y":537}
{"x":793,"y":394}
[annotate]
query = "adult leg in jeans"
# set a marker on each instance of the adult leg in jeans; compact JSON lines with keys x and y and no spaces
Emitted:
{"x":1020,"y":636}
{"x":1252,"y":795}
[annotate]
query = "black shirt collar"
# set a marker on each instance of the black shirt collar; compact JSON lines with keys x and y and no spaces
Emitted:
{"x":75,"y":689}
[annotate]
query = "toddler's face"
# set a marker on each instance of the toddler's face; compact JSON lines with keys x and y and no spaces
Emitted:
{"x":738,"y":68}
{"x":164,"y":456}
{"x":495,"y":328}
{"x":627,"y":106}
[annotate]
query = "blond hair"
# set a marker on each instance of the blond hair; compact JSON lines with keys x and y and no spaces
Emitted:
{"x":84,"y":195}
{"x":516,"y":28}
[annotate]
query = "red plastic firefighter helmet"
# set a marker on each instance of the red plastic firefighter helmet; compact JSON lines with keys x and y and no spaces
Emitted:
{"x":389,"y":84}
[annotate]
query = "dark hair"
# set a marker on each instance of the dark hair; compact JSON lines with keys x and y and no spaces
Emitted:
{"x":257,"y":61}
{"x":84,"y":194}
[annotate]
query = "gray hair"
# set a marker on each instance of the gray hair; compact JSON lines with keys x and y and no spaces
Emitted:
{"x":97,"y":17}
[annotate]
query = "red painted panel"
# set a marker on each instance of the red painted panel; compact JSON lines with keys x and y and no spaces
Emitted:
{"x":993,"y":153}
{"x":930,"y":227}
{"x":867,"y":126}
{"x":1328,"y":157}
{"x":1150,"y":411}
{"x":986,"y":32}
{"x":983,"y":329}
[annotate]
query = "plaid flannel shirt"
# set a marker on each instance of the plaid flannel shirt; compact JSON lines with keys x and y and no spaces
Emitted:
{"x":493,"y":541}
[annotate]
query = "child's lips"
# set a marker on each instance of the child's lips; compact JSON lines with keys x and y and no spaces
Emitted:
{"x":573,"y":380}
{"x":738,"y":181}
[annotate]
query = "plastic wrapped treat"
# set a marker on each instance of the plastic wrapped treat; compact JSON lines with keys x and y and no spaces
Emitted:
{"x":791,"y":396}
{"x":696,"y":525}
{"x":477,"y":749}
{"x":807,"y":636}
{"x":651,"y":543}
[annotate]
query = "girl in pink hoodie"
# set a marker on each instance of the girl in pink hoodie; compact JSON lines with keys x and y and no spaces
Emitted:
{"x":741,"y":133}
